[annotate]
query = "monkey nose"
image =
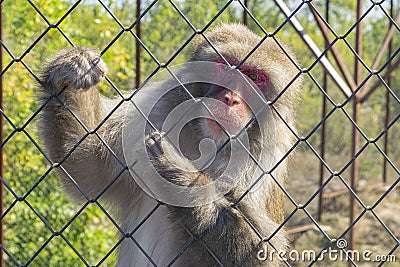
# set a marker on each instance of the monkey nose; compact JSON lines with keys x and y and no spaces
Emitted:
{"x":232,"y":99}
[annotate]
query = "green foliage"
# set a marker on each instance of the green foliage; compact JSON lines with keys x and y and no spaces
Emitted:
{"x":32,"y":192}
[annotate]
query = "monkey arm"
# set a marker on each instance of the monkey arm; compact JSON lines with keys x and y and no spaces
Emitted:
{"x":73,"y":109}
{"x":218,"y":226}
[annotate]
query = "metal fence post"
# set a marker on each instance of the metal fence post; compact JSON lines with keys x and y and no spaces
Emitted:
{"x":356,"y":135}
{"x":2,"y":262}
{"x":138,"y":46}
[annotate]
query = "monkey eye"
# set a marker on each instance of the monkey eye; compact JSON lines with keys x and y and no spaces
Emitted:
{"x":254,"y":77}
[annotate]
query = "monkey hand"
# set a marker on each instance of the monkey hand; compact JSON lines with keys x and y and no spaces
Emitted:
{"x":77,"y":67}
{"x":172,"y":165}
{"x":160,"y":151}
{"x":154,"y":147}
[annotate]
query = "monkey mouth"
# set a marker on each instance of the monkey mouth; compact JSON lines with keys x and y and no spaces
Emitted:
{"x":223,"y":124}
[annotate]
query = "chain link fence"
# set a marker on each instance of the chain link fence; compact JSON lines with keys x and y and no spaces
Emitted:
{"x":341,"y":196}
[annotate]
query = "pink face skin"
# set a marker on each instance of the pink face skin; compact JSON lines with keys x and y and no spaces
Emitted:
{"x":259,"y":77}
{"x":235,"y":114}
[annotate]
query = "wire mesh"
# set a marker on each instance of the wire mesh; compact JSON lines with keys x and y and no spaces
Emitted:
{"x":44,"y":228}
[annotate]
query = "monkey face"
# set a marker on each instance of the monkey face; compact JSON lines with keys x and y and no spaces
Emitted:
{"x":239,"y":94}
{"x":268,"y":63}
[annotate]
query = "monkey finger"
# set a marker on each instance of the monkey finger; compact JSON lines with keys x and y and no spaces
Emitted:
{"x":153,"y":145}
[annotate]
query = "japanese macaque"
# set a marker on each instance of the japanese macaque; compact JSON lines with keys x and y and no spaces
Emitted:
{"x":83,"y":134}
